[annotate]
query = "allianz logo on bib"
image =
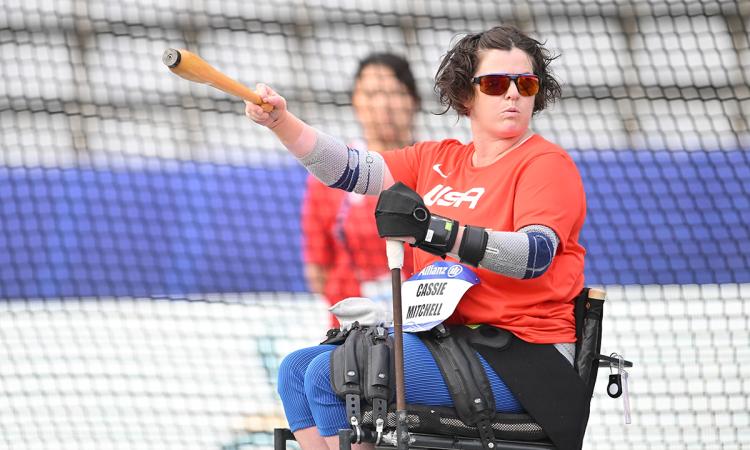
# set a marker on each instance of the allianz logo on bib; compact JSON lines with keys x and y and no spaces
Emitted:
{"x":445,"y":196}
{"x":452,"y":271}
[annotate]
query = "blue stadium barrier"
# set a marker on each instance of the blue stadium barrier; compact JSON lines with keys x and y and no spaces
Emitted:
{"x":666,"y":217}
{"x":186,"y":227}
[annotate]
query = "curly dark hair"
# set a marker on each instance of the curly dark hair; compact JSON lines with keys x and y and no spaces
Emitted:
{"x":453,"y":79}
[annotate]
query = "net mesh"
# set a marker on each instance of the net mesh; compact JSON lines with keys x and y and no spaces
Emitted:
{"x":151,"y":267}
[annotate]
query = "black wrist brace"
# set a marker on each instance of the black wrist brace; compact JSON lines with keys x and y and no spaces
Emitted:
{"x":473,"y":245}
{"x":441,"y":236}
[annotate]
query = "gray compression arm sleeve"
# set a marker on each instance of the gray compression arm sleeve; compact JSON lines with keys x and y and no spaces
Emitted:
{"x":342,"y":167}
{"x":526,"y":253}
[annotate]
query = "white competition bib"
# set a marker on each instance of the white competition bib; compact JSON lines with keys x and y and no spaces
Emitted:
{"x":431,"y":296}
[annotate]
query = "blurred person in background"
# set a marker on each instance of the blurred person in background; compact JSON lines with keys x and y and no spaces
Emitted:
{"x":344,"y":257}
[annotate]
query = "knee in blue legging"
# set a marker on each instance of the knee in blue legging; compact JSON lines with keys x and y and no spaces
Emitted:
{"x":291,"y":385}
{"x":328,"y":410}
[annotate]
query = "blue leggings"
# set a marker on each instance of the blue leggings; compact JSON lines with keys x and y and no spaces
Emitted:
{"x":309,"y":400}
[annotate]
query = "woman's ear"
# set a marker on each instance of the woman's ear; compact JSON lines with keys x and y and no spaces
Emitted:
{"x":469,"y":103}
{"x":467,"y":106}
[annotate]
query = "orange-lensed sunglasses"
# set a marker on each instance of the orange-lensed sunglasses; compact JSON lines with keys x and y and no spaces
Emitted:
{"x":498,"y":83}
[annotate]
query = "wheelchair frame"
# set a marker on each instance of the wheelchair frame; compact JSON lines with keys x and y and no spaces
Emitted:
{"x":411,"y":440}
{"x":440,"y":442}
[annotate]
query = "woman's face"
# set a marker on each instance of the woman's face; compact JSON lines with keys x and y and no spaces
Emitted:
{"x":502,"y":116}
{"x":383,"y":105}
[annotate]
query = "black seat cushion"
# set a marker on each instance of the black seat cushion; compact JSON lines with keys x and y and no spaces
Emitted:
{"x":444,"y":421}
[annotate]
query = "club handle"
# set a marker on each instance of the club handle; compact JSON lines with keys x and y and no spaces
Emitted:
{"x":192,"y":67}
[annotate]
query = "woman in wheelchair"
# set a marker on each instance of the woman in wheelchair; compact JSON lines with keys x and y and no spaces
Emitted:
{"x":509,"y":203}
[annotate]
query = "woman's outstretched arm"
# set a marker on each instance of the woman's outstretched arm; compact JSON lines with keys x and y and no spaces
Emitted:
{"x":327,"y":158}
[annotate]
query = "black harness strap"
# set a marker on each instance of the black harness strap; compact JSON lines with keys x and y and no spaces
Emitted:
{"x":361,"y":371}
{"x":546,"y":385}
{"x":467,"y":383}
{"x":351,"y":383}
{"x":377,"y":389}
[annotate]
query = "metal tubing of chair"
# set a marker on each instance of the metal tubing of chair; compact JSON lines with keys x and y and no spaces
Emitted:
{"x":280,"y":436}
{"x":345,"y":439}
{"x":606,"y":361}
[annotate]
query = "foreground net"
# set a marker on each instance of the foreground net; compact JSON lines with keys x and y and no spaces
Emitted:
{"x":150,"y":241}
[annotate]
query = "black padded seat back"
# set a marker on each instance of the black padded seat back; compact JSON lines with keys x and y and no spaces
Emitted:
{"x":589,"y":314}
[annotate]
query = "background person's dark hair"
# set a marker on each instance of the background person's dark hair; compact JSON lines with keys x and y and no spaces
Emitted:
{"x":400,"y":68}
{"x":453,"y":79}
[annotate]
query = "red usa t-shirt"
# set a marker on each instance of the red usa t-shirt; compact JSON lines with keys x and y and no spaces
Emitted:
{"x":535,"y":184}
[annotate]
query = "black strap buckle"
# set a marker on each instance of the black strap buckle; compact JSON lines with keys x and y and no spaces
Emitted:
{"x":441,"y":331}
{"x":486,"y":435}
{"x":353,"y":410}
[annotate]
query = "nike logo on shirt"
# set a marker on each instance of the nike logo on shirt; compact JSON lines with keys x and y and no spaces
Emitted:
{"x":436,"y":168}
